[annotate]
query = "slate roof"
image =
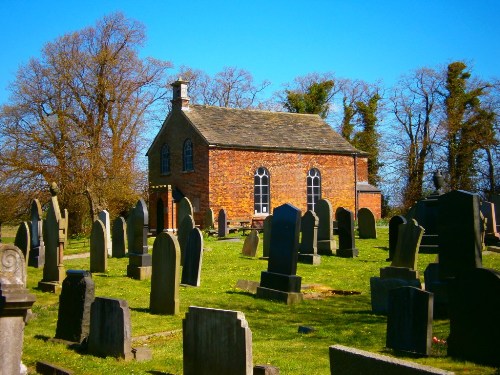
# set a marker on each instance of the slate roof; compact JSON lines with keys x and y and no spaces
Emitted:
{"x":367,"y":188}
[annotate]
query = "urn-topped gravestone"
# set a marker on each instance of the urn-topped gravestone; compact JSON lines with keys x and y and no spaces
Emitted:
{"x":139,"y":266}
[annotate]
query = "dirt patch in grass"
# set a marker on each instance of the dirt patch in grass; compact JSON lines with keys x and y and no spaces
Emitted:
{"x":318,"y":291}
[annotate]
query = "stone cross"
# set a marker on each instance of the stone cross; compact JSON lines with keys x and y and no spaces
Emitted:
{"x":104,"y":217}
{"x":308,"y":249}
{"x":37,"y":253}
{"x":326,"y":242}
{"x":191,"y":271}
{"x":98,"y":251}
{"x":366,"y":223}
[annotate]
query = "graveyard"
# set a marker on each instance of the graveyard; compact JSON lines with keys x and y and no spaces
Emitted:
{"x":335,"y":310}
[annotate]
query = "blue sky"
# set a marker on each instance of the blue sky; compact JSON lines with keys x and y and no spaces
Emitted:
{"x":276,"y":40}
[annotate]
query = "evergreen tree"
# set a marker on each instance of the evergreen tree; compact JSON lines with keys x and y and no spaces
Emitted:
{"x":315,"y":100}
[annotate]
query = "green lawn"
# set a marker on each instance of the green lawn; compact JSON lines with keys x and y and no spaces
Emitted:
{"x":337,"y":319}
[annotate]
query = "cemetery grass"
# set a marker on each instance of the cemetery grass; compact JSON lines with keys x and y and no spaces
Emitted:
{"x":335,"y":318}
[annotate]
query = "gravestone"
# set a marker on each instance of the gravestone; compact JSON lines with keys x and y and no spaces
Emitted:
{"x":184,"y":208}
{"x":98,"y":251}
{"x":280,"y":281}
{"x":37,"y":253}
{"x":492,"y":237}
{"x":110,"y":328}
{"x":139,"y":266}
{"x":222,"y":228}
{"x":23,"y":239}
{"x":459,"y":228}
{"x":439,"y":288}
{"x":118,"y":245}
{"x":54,"y":237}
{"x":15,"y":301}
{"x":266,"y":236}
{"x":76,"y":297}
{"x":366,"y":223}
{"x":191,"y":271}
{"x":208,"y":219}
{"x":164,"y":297}
{"x":308,"y":249}
{"x":345,"y":228}
{"x":326,"y":242}
{"x":186,"y":226}
{"x":104,"y":217}
{"x":474,"y":310}
{"x":251,"y":244}
{"x":216,"y":342}
{"x":393,"y":233}
{"x":409,"y":320}
{"x":495,"y":199}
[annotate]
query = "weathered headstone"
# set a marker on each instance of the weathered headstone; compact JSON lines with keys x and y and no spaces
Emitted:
{"x":216,"y":342}
{"x":54,"y":237}
{"x":110,"y":328}
{"x":98,"y":251}
{"x":326,"y":242}
{"x":459,"y":228}
{"x":222,"y":228}
{"x":308,"y":249}
{"x":439,"y":288}
{"x":185,"y":227}
{"x":15,"y":301}
{"x":164,"y":297}
{"x":492,"y":237}
{"x":118,"y":245}
{"x":37,"y":253}
{"x":191,"y":271}
{"x":184,"y":208}
{"x":366,"y":223}
{"x":393,"y":233}
{"x":474,"y":310}
{"x":266,"y":236}
{"x":280,"y":281}
{"x":23,"y":239}
{"x":495,"y":199}
{"x":65,"y":226}
{"x":406,"y":255}
{"x":251,"y":243}
{"x":76,"y":297}
{"x":345,"y":228}
{"x":139,"y":266}
{"x":104,"y":217}
{"x":409,"y":320}
{"x":208,"y":219}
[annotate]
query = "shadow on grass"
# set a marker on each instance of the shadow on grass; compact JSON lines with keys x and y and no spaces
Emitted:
{"x":154,"y":372}
{"x":242,"y":293}
{"x":42,"y":337}
{"x":381,"y":247}
{"x":142,"y":309}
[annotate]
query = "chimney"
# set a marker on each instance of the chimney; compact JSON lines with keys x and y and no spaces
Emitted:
{"x":180,"y":98}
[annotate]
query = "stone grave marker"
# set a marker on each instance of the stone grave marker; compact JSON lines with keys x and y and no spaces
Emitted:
{"x":251,"y":243}
{"x":222,"y":228}
{"x":23,"y":239}
{"x":366,"y":223}
{"x":326,"y":242}
{"x":191,"y":271}
{"x":216,"y":342}
{"x":118,"y":245}
{"x":185,"y":228}
{"x":266,"y":236}
{"x":184,"y":208}
{"x":15,"y":301}
{"x":345,"y":228}
{"x":110,"y":328}
{"x":393,"y":233}
{"x":98,"y":251}
{"x":76,"y":297}
{"x":280,"y":281}
{"x":492,"y":237}
{"x":164,"y":297}
{"x":37,"y":253}
{"x":104,"y":217}
{"x":308,"y":249}
{"x":208,"y":219}
{"x":139,"y":266}
{"x":459,"y":228}
{"x":409,"y":320}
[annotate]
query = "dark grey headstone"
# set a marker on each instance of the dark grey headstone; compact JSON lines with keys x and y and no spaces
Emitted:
{"x":266,"y":241}
{"x":184,"y":208}
{"x":409,"y":320}
{"x":474,"y":310}
{"x":164,"y":297}
{"x":380,"y":288}
{"x":37,"y":253}
{"x":51,"y":237}
{"x":110,"y":328}
{"x":208,"y":219}
{"x":409,"y":237}
{"x":191,"y":271}
{"x":459,"y":228}
{"x":251,"y":243}
{"x":118,"y":245}
{"x":76,"y":297}
{"x":308,"y":249}
{"x":326,"y":242}
{"x":185,"y":227}
{"x":139,"y":266}
{"x":216,"y":342}
{"x":393,"y":233}
{"x":366,"y":223}
{"x":104,"y":217}
{"x":98,"y":251}
{"x":222,"y":228}
{"x":23,"y":239}
{"x":439,"y":288}
{"x":345,"y":228}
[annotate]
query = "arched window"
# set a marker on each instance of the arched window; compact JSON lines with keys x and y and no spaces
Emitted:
{"x":187,"y":156}
{"x":261,"y":191}
{"x":313,"y":188}
{"x":165,"y":159}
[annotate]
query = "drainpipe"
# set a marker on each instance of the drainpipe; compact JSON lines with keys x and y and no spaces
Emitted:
{"x":355,"y":158}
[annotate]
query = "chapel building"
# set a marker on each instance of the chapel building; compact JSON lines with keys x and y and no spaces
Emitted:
{"x":250,"y":161}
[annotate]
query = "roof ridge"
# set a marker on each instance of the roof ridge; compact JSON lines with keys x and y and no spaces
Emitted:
{"x":254,"y":110}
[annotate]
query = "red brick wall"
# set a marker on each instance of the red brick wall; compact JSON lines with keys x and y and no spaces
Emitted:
{"x":362,"y":163}
{"x":373,"y":201}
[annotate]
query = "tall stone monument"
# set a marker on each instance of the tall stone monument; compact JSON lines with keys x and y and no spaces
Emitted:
{"x":139,"y":266}
{"x":37,"y":252}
